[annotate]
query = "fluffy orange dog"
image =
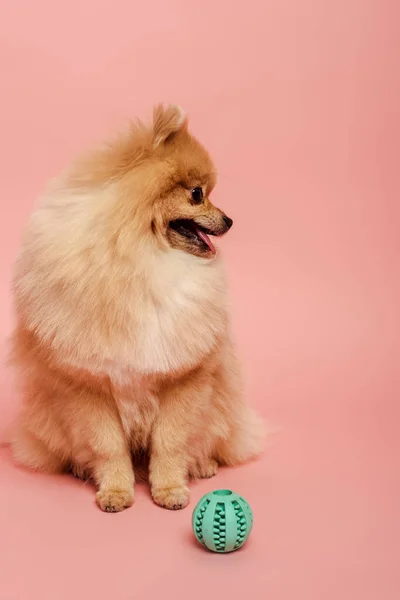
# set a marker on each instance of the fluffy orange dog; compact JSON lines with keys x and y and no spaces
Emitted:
{"x":122,"y":340}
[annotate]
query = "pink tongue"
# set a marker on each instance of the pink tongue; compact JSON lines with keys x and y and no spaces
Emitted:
{"x":205,"y":239}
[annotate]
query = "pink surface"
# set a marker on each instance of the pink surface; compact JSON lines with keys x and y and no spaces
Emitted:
{"x":299,"y":103}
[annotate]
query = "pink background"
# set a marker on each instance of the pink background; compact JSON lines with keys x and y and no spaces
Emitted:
{"x":298,"y":101}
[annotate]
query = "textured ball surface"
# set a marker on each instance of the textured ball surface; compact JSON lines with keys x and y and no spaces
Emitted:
{"x":222,"y":521}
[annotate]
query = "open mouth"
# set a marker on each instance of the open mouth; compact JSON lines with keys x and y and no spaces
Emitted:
{"x":195,"y":233}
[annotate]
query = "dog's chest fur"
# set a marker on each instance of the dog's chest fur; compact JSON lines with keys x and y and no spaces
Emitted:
{"x":178,"y":323}
{"x":173,"y":321}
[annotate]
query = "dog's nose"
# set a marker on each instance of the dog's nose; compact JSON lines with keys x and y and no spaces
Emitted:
{"x":228,"y":222}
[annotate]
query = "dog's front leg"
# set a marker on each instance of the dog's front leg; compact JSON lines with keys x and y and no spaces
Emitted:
{"x":182,"y":405}
{"x":100,"y":447}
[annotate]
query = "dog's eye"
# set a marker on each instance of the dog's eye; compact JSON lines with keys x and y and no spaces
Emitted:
{"x":197,"y":195}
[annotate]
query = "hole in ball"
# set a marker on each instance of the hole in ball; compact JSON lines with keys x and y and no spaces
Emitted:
{"x":222,"y":493}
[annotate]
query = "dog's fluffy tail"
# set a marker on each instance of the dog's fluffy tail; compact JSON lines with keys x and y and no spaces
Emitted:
{"x":246,"y":440}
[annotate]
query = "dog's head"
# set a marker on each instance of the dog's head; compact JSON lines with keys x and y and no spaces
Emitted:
{"x":176,"y":177}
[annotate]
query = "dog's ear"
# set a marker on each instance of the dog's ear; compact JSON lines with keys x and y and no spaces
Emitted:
{"x":167,"y":122}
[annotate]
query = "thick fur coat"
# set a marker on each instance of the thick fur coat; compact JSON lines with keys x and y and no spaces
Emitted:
{"x":122,"y":343}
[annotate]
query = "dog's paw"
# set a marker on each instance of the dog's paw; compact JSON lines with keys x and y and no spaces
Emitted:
{"x":114,"y":500}
{"x":173,"y":498}
{"x":204,"y":470}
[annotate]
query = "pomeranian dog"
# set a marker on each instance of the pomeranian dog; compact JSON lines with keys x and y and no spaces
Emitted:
{"x":122,"y":341}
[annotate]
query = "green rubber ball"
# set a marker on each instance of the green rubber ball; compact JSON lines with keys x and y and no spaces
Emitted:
{"x":222,"y":521}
